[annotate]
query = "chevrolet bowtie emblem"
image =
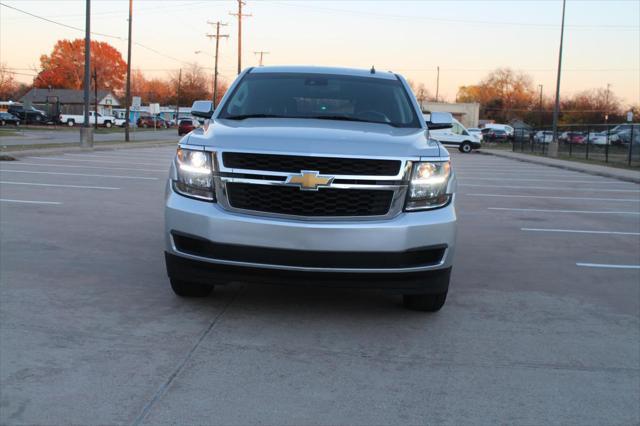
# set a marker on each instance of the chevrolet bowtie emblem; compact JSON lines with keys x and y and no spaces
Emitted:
{"x":309,"y":180}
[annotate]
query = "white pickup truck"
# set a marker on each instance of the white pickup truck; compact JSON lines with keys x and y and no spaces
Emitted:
{"x":103,"y":120}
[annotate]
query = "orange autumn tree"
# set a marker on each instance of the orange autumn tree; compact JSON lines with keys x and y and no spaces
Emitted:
{"x":64,"y":67}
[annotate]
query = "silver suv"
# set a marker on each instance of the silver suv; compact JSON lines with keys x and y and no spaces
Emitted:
{"x":313,"y":176}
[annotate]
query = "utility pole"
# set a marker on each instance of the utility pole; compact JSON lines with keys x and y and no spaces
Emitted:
{"x":178,"y":98}
{"x":240,"y":16}
{"x":86,"y":137}
{"x":553,"y":146}
{"x":217,"y":36}
{"x":438,"y":83}
{"x":261,"y":53}
{"x":95,"y":97}
{"x":541,"y":118}
{"x":606,"y":105}
{"x":127,"y":100}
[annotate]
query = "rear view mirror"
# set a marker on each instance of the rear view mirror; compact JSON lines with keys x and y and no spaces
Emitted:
{"x":440,"y":120}
{"x":202,"y":109}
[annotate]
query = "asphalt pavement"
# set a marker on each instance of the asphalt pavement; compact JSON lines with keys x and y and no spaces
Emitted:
{"x":542,"y":323}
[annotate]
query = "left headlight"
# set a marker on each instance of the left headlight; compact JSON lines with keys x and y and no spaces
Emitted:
{"x":429,"y":184}
{"x":194,"y":174}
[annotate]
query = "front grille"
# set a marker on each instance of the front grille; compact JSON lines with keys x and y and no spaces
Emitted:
{"x":324,"y":202}
{"x":324,"y":165}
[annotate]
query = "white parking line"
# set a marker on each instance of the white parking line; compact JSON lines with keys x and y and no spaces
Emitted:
{"x":117,"y":157}
{"x":502,"y":179}
{"x":549,"y":188}
{"x":95,"y":167}
{"x":79,"y":160}
{"x":4,"y":182}
{"x":561,"y":211}
{"x":579,"y":231}
{"x":6,"y":200}
{"x":605,"y":265}
{"x":624,"y":200}
{"x":78,"y":174}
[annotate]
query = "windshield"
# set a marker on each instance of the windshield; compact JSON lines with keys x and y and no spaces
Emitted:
{"x":318,"y":96}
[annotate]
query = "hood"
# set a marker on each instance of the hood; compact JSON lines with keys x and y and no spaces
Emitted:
{"x":315,"y":137}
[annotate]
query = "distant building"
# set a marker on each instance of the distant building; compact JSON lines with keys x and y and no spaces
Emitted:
{"x":519,"y":124}
{"x":68,"y":101}
{"x":468,"y":114}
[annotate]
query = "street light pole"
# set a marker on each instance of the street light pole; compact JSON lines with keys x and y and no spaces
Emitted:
{"x":606,"y":105}
{"x":127,"y":100}
{"x":86,"y":137}
{"x":553,"y":146}
{"x":541,"y":118}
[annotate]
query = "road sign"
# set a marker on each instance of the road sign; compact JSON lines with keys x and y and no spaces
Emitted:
{"x":630,"y":116}
{"x":136,"y":102}
{"x":154,"y":109}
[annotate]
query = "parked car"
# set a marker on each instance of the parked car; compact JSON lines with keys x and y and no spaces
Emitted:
{"x":253,"y":199}
{"x":624,"y":136}
{"x":457,"y":136}
{"x":504,"y":127}
{"x":601,"y":138}
{"x":29,"y":115}
{"x":7,"y":118}
{"x":150,"y":121}
{"x":543,"y":136}
{"x":572,"y":137}
{"x":475,"y":131}
{"x":495,"y":135}
{"x":73,"y":119}
{"x":186,"y":125}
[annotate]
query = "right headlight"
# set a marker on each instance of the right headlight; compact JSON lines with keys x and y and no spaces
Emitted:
{"x":428,"y":187}
{"x":194,"y":171}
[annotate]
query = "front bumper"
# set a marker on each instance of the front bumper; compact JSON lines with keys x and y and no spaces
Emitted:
{"x":249,"y":246}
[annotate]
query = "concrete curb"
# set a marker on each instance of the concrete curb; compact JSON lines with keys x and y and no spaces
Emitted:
{"x":99,"y":147}
{"x":597,"y":170}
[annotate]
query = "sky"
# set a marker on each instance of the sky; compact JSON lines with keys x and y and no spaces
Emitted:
{"x":465,"y":38}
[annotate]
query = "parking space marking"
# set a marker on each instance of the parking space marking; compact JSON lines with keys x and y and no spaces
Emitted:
{"x":94,"y":167}
{"x":549,"y":188}
{"x":6,"y":200}
{"x":624,"y":200}
{"x":579,"y":231}
{"x":118,"y":157}
{"x":547,"y":180}
{"x":136,"y":163}
{"x":561,"y":211}
{"x":5,"y":182}
{"x":78,"y":174}
{"x":605,"y":265}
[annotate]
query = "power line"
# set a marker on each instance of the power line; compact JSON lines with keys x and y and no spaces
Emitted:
{"x":93,"y":32}
{"x":217,"y":36}
{"x":261,"y":53}
{"x":240,"y":15}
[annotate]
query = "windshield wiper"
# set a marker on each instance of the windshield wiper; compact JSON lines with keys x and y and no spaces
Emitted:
{"x":347,"y":118}
{"x":243,"y":116}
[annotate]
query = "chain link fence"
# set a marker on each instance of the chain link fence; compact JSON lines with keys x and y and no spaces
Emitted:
{"x":615,"y":144}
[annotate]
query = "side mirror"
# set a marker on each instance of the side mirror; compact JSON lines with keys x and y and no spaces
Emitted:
{"x":440,"y":120}
{"x":202,"y":109}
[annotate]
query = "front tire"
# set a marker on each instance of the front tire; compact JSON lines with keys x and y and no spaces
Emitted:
{"x":465,"y":147}
{"x":70,"y":123}
{"x":424,"y":302}
{"x":190,"y":289}
{"x":107,"y":124}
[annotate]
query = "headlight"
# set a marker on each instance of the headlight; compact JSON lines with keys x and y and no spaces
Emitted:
{"x":195,"y":174}
{"x":428,"y":188}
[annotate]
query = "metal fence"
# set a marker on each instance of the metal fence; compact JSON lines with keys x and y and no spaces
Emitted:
{"x":616,"y":144}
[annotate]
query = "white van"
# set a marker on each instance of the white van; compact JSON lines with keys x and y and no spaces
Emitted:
{"x":457,"y":135}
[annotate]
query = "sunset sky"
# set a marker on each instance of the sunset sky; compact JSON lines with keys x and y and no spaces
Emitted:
{"x":467,"y":39}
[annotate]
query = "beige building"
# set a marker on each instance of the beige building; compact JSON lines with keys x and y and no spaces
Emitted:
{"x":467,"y":114}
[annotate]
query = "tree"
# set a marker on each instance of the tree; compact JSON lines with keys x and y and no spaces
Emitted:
{"x":420,"y":92}
{"x":194,"y":85}
{"x":590,"y":107}
{"x":64,"y":67}
{"x":500,"y":93}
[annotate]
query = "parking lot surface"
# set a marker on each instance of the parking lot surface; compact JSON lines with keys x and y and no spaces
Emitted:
{"x":542,"y":323}
{"x":10,"y":136}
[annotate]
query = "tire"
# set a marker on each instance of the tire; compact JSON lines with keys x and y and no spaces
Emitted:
{"x":71,"y":123}
{"x":107,"y":124}
{"x":465,"y":147}
{"x":2,"y":123}
{"x":144,"y":125}
{"x":189,"y":289}
{"x":424,"y":302}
